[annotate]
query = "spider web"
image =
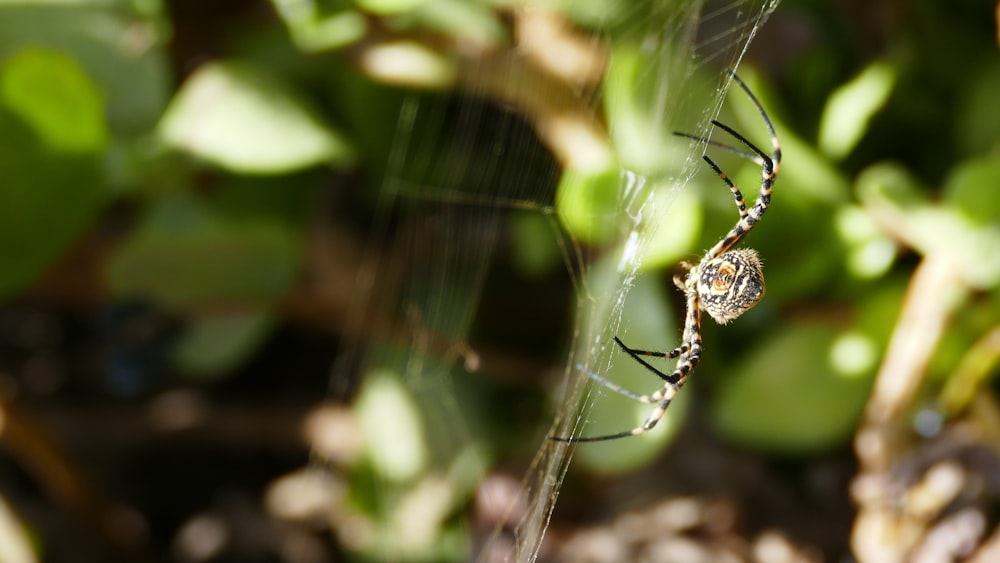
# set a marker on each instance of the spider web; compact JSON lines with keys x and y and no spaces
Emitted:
{"x":465,"y":170}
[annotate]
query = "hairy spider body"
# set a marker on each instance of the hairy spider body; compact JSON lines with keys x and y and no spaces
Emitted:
{"x":725,"y":284}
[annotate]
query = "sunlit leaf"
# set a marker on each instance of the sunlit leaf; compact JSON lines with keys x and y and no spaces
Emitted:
{"x":587,"y":203}
{"x":893,"y":195}
{"x":408,"y":63}
{"x":52,"y":132}
{"x":392,"y":427}
{"x":678,"y":228}
{"x":637,"y":109}
{"x":386,"y":7}
{"x":971,"y":189}
{"x":315,"y":29}
{"x":56,"y":99}
{"x":870,"y":251}
{"x":851,"y":106}
{"x":120,"y":51}
{"x":476,"y":21}
{"x":243,"y":118}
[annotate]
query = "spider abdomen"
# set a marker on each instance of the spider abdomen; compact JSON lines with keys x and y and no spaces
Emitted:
{"x":730,"y":284}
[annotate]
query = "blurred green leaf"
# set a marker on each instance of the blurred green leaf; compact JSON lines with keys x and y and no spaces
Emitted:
{"x":592,"y":12}
{"x":587,"y":203}
{"x":217,"y":344}
{"x":678,"y":229}
{"x":409,"y":63}
{"x":56,"y":99}
{"x":52,"y":135}
{"x":850,"y":107}
{"x":321,"y":26}
{"x":184,"y":254}
{"x":787,"y":396}
{"x":121,"y":52}
{"x":890,"y":188}
{"x":476,"y":21}
{"x":371,"y":115}
{"x":977,"y":125}
{"x":878,"y":308}
{"x":870,"y":252}
{"x":537,"y":251}
{"x":636,"y":112}
{"x":391,"y":422}
{"x":387,"y":7}
{"x":894,"y":196}
{"x":972,"y":189}
{"x":806,"y":174}
{"x":247,"y":120}
{"x":636,"y":137}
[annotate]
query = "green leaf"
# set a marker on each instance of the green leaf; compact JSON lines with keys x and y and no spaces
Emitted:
{"x":387,"y":7}
{"x":183,"y":255}
{"x":959,"y":231}
{"x":977,"y":123}
{"x":393,"y":428}
{"x":789,"y":396}
{"x":52,"y":135}
{"x":56,"y":99}
{"x":537,"y":251}
{"x":247,"y":120}
{"x":807,"y":176}
{"x":971,"y":189}
{"x":217,"y":344}
{"x":677,"y":233}
{"x":122,"y":52}
{"x":587,"y":203}
{"x":477,"y":21}
{"x":850,"y":108}
{"x":870,"y":251}
{"x":314,"y":29}
{"x":409,"y":63}
{"x":639,"y":116}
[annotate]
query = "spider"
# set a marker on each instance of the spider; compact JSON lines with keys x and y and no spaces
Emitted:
{"x":725,"y":283}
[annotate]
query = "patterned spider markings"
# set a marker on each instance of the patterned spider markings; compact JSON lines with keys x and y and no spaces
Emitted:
{"x":725,"y":284}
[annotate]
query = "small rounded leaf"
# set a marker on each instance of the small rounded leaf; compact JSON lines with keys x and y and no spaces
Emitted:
{"x":247,"y":120}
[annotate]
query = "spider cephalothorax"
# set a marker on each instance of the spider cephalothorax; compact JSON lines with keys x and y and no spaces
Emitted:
{"x":725,"y":283}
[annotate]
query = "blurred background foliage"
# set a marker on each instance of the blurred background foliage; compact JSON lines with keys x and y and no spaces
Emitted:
{"x":192,"y":195}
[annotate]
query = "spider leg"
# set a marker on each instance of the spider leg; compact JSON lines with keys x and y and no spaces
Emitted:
{"x":741,"y":204}
{"x":776,"y":146}
{"x":748,"y":218}
{"x":770,"y":165}
{"x":661,"y":398}
{"x":753,"y":157}
{"x":683,"y":348}
{"x":615,"y":387}
{"x":671,"y":379}
{"x":661,"y":408}
{"x":689,"y":358}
